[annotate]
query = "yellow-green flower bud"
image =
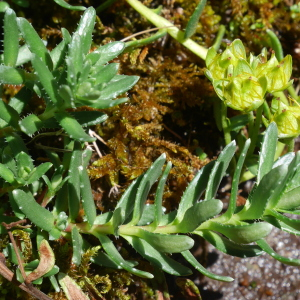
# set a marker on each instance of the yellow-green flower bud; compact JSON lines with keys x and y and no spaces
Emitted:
{"x":287,"y":119}
{"x":278,"y":74}
{"x":244,"y":92}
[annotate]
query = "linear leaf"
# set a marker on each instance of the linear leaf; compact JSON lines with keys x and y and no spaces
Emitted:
{"x":199,"y":213}
{"x":219,"y":170}
{"x":85,"y":28}
{"x":194,"y":191}
{"x":7,"y":174}
{"x":166,"y":242}
{"x":267,"y":151}
{"x":87,"y":198}
{"x":161,"y":260}
{"x":31,"y":124}
{"x":106,"y":53}
{"x":66,"y":5}
{"x":34,"y":42}
{"x":243,"y":234}
{"x":77,"y":243}
{"x":192,"y":260}
{"x":229,"y":247}
{"x":37,"y":214}
{"x":194,"y":19}
{"x":115,"y":88}
{"x":159,"y":195}
{"x":114,"y":254}
{"x":72,"y":127}
{"x":267,"y":188}
{"x":288,"y":261}
{"x":46,"y":78}
{"x":74,"y":181}
{"x":235,"y":181}
{"x":38,"y":172}
{"x":146,"y":183}
{"x":11,"y":38}
{"x":9,"y":114}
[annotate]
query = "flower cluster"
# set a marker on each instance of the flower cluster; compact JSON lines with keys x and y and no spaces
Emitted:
{"x":241,"y":81}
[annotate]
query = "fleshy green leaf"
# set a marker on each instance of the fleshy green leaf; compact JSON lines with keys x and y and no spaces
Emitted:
{"x":219,"y":170}
{"x":165,"y":242}
{"x":38,"y":172}
{"x":34,"y":42}
{"x":47,"y":79}
{"x":194,"y":191}
{"x":194,"y":19}
{"x":37,"y":214}
{"x":74,"y":181}
{"x":114,"y":254}
{"x":267,"y":152}
{"x":106,"y":53}
{"x":288,"y":261}
{"x":85,"y":29}
{"x":66,"y":5}
{"x":243,"y":234}
{"x":11,"y":38}
{"x":161,"y":260}
{"x":199,"y":213}
{"x":115,"y":88}
{"x":77,"y":246}
{"x":146,"y":183}
{"x":7,"y":174}
{"x":31,"y":124}
{"x":72,"y":127}
{"x":192,"y":260}
{"x":87,"y":196}
{"x":9,"y":114}
{"x":229,"y":247}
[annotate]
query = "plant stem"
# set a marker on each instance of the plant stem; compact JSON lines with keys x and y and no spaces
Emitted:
{"x":224,"y":122}
{"x":218,"y":40}
{"x":173,"y":31}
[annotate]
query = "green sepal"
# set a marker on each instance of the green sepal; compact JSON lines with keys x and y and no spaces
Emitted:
{"x":194,"y":19}
{"x":11,"y":38}
{"x":288,"y":261}
{"x":34,"y":42}
{"x":229,"y":247}
{"x":37,"y":214}
{"x":199,"y":213}
{"x":77,"y":246}
{"x":243,"y":234}
{"x":72,"y":127}
{"x":114,"y":254}
{"x":165,"y":242}
{"x":242,"y":66}
{"x":31,"y":124}
{"x":192,"y":260}
{"x":161,"y":260}
{"x":66,"y":5}
{"x":87,"y":198}
{"x":106,"y":53}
